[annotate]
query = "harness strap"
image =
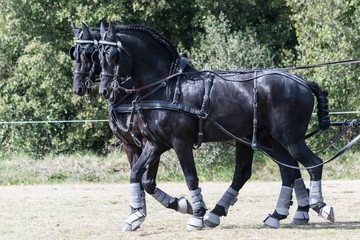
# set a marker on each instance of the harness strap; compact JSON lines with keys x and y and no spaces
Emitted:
{"x":182,"y":64}
{"x":255,"y":105}
{"x":208,"y":83}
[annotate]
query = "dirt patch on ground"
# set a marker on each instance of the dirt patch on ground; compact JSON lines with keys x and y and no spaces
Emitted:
{"x":96,"y":211}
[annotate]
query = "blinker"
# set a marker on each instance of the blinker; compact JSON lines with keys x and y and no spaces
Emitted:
{"x":71,"y":52}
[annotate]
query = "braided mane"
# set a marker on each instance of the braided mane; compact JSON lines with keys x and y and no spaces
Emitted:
{"x":160,"y":38}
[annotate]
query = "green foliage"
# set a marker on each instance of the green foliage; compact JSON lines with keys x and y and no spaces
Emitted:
{"x":328,"y":31}
{"x":36,"y":73}
{"x":221,"y":49}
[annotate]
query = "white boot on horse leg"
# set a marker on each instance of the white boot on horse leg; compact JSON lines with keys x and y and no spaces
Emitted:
{"x":137,"y":217}
{"x":178,"y":204}
{"x":302,"y":196}
{"x":196,"y":222}
{"x":228,"y":199}
{"x":282,"y":208}
{"x":317,"y":202}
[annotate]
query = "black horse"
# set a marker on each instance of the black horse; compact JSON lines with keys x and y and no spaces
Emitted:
{"x":85,"y":74}
{"x":178,"y":110}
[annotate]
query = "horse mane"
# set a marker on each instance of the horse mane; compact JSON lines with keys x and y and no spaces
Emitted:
{"x":160,"y":38}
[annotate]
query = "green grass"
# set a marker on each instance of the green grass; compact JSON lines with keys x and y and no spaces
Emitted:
{"x":114,"y":168}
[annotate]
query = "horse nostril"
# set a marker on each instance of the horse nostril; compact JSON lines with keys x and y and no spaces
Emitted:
{"x":104,"y":92}
{"x":80,"y":90}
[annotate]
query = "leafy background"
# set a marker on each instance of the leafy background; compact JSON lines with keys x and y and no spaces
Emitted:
{"x":36,"y":72}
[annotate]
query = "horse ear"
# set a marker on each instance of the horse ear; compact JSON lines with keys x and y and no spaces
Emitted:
{"x":102,"y":29}
{"x":76,"y":30}
{"x":86,"y":31}
{"x":112,"y":32}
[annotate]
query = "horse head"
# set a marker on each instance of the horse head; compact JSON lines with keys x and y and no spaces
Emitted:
{"x":116,"y":63}
{"x":133,"y":52}
{"x":85,"y":54}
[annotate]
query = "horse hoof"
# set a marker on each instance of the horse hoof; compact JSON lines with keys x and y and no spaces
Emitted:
{"x":195,"y":223}
{"x":127,"y":228}
{"x":212,"y":220}
{"x":327,"y":212}
{"x":184,"y":206}
{"x":271,"y":222}
{"x":300,"y":218}
{"x":133,"y":222}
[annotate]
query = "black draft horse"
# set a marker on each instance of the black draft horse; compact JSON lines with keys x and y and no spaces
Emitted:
{"x":211,"y":106}
{"x":85,"y":73}
{"x":84,"y":77}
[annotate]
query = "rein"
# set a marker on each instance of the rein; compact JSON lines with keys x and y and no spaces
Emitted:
{"x":139,"y":104}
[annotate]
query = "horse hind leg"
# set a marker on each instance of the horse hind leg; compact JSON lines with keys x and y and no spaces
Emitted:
{"x":302,"y":196}
{"x":244,"y":157}
{"x":291,"y":181}
{"x":306,"y":157}
{"x":288,"y":176}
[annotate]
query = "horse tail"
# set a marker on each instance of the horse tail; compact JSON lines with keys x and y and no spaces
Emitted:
{"x":322,"y":105}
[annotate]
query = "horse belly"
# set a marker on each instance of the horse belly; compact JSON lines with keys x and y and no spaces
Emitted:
{"x":231,"y":107}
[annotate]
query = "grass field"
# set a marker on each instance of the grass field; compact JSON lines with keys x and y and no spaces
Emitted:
{"x":97,"y":211}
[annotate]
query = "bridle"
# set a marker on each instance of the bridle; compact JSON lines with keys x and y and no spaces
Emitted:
{"x":115,"y":84}
{"x":89,"y":83}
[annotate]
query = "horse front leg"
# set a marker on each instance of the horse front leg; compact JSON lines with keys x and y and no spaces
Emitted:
{"x":183,"y":150}
{"x":150,"y":154}
{"x":133,"y":153}
{"x":149,"y":183}
{"x":243,"y":162}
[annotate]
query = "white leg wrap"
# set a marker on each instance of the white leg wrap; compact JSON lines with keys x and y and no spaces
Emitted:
{"x":197,"y":200}
{"x":229,"y":198}
{"x":327,"y":212}
{"x":283,"y":204}
{"x":212,"y":220}
{"x":135,"y":196}
{"x":134,"y":221}
{"x":162,"y":197}
{"x":182,"y":205}
{"x":315,"y":192}
{"x":143,"y":201}
{"x":195,"y":223}
{"x":271,"y":222}
{"x":302,"y":195}
{"x":300,"y":218}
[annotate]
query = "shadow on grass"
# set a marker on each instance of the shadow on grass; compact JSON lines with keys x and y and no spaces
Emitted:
{"x":346,"y":225}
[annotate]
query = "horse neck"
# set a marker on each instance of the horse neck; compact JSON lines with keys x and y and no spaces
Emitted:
{"x":151,"y":61}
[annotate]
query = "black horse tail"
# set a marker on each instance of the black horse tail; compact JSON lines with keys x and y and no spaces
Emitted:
{"x":322,"y":105}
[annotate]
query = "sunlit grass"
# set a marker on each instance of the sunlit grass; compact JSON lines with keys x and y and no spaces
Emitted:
{"x":114,"y":168}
